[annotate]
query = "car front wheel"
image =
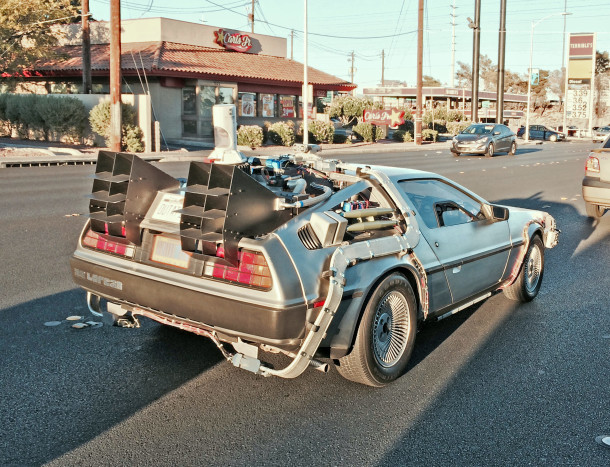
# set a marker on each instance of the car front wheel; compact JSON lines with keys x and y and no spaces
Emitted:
{"x":553,"y":138}
{"x":528,"y":282}
{"x":490,"y":150}
{"x":513,"y":149}
{"x":594,"y":211}
{"x":386,"y":335}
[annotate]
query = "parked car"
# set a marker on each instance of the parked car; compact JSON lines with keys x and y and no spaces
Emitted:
{"x":299,"y":255}
{"x":596,"y":182}
{"x":601,"y":133}
{"x":484,"y":138}
{"x":541,"y":132}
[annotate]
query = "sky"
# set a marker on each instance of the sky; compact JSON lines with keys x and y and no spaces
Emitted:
{"x":366,"y":27}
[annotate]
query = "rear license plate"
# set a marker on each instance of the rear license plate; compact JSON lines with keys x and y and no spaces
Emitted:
{"x":167,"y":250}
{"x":167,"y":208}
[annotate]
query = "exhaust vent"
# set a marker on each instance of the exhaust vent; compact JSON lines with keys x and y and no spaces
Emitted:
{"x":222,"y":204}
{"x":124,"y":187}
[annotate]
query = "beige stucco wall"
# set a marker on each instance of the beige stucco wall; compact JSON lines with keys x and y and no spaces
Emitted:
{"x":167,"y":103}
{"x":170,"y":30}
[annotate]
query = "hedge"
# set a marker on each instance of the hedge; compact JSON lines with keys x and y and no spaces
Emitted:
{"x":43,"y":116}
{"x":131,"y":139}
{"x":250,"y":135}
{"x":364,"y":131}
{"x":281,"y":133}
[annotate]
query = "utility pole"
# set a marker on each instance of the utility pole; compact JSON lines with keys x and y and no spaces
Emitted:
{"x":476,"y":26}
{"x":291,"y":43}
{"x":382,"y":67}
{"x":453,"y":45}
{"x":420,"y":63}
{"x":115,"y":75}
{"x":86,"y":40}
{"x":501,"y":50}
{"x":251,"y":16}
{"x":352,"y":69}
{"x":305,"y":83}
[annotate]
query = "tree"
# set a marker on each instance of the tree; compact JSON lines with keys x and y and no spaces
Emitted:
{"x":602,"y":62}
{"x":464,"y":75}
{"x":430,"y":81}
{"x":25,"y":34}
{"x":349,"y":108}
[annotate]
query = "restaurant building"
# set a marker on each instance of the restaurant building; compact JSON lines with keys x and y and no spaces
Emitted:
{"x":186,"y":68}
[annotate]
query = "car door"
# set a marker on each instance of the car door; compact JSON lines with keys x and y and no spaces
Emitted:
{"x":502,"y":138}
{"x":473,"y":250}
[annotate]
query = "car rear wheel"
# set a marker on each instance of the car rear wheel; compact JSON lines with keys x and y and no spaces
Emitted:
{"x":594,"y":211}
{"x":455,"y":153}
{"x":386,"y":335}
{"x":513,"y":149}
{"x":490,"y":150}
{"x":553,"y":138}
{"x":528,"y":282}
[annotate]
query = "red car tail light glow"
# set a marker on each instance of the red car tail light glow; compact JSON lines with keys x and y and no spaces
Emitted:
{"x":98,"y":242}
{"x":252,"y":269}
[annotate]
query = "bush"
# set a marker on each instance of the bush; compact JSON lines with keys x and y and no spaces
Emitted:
{"x":455,"y":116}
{"x":402,"y":136}
{"x":321,"y":131}
{"x":453,"y":128}
{"x":349,"y":108}
{"x":64,"y":116}
{"x":340,"y":138}
{"x":282,"y":133}
{"x":250,"y":135}
{"x":429,"y":135}
{"x":440,"y":127}
{"x":99,"y":118}
{"x":132,"y":138}
{"x":364,"y":131}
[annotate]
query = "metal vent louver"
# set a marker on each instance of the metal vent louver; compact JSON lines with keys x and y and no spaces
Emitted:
{"x":124,"y":187}
{"x":309,"y":238}
{"x":222,"y":204}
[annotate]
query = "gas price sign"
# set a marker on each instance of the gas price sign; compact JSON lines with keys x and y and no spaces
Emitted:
{"x":577,"y":103}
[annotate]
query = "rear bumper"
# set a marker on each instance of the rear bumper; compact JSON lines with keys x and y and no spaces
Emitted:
{"x":596,"y":191}
{"x":279,"y":327}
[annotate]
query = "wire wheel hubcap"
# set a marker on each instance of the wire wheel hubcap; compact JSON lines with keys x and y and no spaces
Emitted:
{"x":390,"y":329}
{"x":533,"y":269}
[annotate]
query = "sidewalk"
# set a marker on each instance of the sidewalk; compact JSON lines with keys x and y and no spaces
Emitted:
{"x":37,"y":153}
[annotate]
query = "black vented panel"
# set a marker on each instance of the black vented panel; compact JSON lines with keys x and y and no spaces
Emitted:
{"x":309,"y":238}
{"x":223,"y":204}
{"x":124,"y":187}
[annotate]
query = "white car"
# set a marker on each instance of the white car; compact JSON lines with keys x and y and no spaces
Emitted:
{"x":596,"y":183}
{"x":601,"y":133}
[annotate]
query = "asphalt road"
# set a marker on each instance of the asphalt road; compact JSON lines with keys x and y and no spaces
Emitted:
{"x":497,"y":384}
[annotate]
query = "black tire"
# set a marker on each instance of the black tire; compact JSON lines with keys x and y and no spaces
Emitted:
{"x":513,"y":149}
{"x":385,"y":337}
{"x":455,"y":153}
{"x":490,"y":150}
{"x":528,"y":282}
{"x":594,"y":211}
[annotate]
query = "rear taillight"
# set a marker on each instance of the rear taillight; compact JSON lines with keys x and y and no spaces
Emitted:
{"x":592,"y":164}
{"x":252,"y":269}
{"x":98,"y":242}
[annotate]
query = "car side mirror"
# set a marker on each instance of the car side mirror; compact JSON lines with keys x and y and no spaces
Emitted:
{"x":495,"y":213}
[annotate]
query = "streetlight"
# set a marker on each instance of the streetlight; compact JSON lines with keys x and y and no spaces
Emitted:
{"x":529,"y":75}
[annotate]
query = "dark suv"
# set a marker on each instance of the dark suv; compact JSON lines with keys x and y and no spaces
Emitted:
{"x":541,"y":132}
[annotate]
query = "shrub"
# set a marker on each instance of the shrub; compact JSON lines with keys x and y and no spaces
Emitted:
{"x":364,"y":131}
{"x":132,"y":138}
{"x":402,"y":136}
{"x":321,"y":131}
{"x":453,"y":128}
{"x":429,"y":135}
{"x":64,"y":116}
{"x":340,"y":138}
{"x":250,"y":135}
{"x":282,"y":133}
{"x":455,"y":116}
{"x":440,"y":127}
{"x":99,"y":118}
{"x":349,"y":108}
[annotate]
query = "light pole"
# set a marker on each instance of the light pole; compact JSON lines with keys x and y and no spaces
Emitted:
{"x":529,"y":73}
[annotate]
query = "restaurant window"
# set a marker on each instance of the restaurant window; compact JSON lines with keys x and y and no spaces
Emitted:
{"x":247,"y":104}
{"x":189,"y":100}
{"x":225,"y":95}
{"x":311,"y":108}
{"x":288,"y":106}
{"x":267,"y":103}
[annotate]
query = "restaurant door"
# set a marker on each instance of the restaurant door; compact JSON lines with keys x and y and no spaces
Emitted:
{"x":198,"y":99}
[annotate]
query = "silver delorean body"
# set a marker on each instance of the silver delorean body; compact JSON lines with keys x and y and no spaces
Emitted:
{"x":316,"y":259}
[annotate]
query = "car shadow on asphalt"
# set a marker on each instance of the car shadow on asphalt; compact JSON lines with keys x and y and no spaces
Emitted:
{"x":65,"y":386}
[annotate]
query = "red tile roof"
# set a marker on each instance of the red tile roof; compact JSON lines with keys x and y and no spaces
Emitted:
{"x":172,"y":59}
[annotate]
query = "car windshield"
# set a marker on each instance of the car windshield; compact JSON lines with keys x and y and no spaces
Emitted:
{"x":478,"y":129}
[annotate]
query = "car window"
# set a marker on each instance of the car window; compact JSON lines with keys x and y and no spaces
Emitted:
{"x":478,"y":129}
{"x":607,"y":144}
{"x":440,"y":204}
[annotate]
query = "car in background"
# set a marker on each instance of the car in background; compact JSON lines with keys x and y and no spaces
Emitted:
{"x":541,"y":132}
{"x":596,"y":182}
{"x":484,"y":138}
{"x":600,"y":133}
